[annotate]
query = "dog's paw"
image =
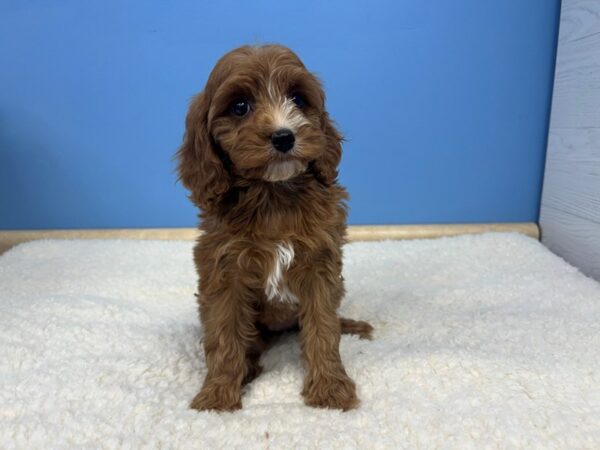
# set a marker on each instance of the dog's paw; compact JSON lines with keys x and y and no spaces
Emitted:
{"x":217,"y":398}
{"x":336,"y":392}
{"x":362,"y":329}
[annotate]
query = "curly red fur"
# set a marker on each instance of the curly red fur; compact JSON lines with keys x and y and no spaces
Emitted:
{"x":270,"y":256}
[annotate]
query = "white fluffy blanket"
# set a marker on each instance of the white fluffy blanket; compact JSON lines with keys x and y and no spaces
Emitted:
{"x":481,"y":342}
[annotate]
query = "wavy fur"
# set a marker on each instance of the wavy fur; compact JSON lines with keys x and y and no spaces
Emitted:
{"x":266,"y":242}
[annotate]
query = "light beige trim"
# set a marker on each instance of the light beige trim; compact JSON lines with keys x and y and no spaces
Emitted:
{"x":380,"y":232}
{"x":355,"y":233}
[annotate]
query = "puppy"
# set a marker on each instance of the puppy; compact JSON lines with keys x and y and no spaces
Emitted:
{"x":260,"y":158}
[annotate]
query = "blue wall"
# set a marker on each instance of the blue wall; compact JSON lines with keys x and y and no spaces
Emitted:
{"x":444,"y":103}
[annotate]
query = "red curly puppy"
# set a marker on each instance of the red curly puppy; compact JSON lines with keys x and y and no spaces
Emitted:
{"x":260,"y":158}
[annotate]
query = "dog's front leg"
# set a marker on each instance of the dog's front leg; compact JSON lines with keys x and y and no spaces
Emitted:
{"x":326,"y":384}
{"x":229,"y":331}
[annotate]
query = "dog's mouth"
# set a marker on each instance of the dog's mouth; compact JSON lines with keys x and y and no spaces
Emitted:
{"x":283,"y":170}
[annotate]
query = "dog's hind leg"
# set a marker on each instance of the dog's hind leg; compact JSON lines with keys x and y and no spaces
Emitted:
{"x":253,"y":367}
{"x":362,"y":329}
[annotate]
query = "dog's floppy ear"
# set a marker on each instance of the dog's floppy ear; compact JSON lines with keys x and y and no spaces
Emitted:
{"x":326,"y":166}
{"x":199,"y":166}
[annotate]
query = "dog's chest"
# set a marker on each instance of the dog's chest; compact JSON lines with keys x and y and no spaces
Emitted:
{"x":276,"y":288}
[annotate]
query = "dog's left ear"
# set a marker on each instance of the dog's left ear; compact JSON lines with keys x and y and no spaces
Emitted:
{"x":326,"y":166}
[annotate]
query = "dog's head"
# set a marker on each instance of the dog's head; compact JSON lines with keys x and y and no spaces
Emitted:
{"x":262,"y":117}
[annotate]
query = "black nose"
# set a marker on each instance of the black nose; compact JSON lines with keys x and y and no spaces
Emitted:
{"x":283,"y":140}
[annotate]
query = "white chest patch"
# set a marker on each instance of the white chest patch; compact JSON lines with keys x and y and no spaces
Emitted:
{"x":275,"y":287}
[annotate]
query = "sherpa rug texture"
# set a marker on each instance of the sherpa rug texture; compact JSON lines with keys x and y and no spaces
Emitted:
{"x":485,"y":341}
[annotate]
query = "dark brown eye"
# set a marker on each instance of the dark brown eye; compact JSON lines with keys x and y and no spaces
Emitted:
{"x":298,"y":100}
{"x":240,"y":107}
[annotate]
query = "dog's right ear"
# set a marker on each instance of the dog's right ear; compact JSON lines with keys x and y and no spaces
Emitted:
{"x":199,"y":166}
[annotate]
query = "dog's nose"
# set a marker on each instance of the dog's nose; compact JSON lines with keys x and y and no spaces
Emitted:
{"x":283,"y":140}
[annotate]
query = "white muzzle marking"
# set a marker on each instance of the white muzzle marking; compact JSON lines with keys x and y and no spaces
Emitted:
{"x":287,"y":115}
{"x":283,"y":170}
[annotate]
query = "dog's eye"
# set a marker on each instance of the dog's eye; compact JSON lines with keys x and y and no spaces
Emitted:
{"x":240,"y":108}
{"x":298,"y":100}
